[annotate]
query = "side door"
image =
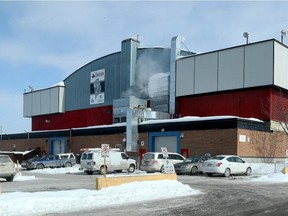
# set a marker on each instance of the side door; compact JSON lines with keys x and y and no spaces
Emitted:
{"x":232,"y":164}
{"x":50,"y":161}
{"x":124,"y":161}
{"x":241,"y":166}
{"x":175,"y":158}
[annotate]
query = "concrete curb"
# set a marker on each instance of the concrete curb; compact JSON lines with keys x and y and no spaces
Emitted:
{"x":102,"y":182}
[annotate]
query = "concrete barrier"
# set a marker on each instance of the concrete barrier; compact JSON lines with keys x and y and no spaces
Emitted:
{"x":102,"y":182}
{"x":285,"y":170}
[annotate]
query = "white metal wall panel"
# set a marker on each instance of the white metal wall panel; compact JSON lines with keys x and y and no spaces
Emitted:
{"x":36,"y":103}
{"x":185,"y":76}
{"x":54,"y":103}
{"x":27,"y":101}
{"x":231,"y":69}
{"x":61,"y":98}
{"x":45,"y":101}
{"x":280,"y":65}
{"x":166,"y":141}
{"x":258,"y":64}
{"x":206,"y":73}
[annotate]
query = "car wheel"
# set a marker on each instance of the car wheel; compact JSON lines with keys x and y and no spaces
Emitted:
{"x":248,"y":171}
{"x":40,"y":166}
{"x":209,"y":174}
{"x":194,"y":170}
{"x":227,"y":172}
{"x":101,"y":171}
{"x":10,"y":178}
{"x":162,"y":169}
{"x":68,"y":164}
{"x":90,"y":172}
{"x":131,"y":168}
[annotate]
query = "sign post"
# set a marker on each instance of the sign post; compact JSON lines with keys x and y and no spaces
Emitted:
{"x":105,"y":153}
{"x":168,"y":165}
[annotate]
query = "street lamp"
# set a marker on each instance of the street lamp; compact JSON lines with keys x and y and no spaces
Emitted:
{"x":246,"y":35}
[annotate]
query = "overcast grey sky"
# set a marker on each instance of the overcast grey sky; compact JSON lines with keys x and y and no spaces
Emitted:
{"x":42,"y":42}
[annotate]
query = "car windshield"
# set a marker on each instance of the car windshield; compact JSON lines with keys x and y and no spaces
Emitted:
{"x":148,"y":156}
{"x":4,"y":159}
{"x":43,"y":158}
{"x":192,"y":159}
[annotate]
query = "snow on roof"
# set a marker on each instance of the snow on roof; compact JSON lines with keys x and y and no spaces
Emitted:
{"x":16,"y":152}
{"x":195,"y":118}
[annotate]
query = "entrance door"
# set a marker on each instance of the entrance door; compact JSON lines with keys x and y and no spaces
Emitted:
{"x":58,"y":146}
{"x":166,"y":141}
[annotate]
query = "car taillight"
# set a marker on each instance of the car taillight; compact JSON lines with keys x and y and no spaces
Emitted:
{"x":155,"y":161}
{"x":219,"y":164}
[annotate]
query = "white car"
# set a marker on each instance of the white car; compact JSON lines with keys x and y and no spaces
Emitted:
{"x":153,"y":161}
{"x":226,"y":165}
{"x":7,"y":168}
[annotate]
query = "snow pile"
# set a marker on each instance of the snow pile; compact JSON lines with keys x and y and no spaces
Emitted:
{"x":60,"y":201}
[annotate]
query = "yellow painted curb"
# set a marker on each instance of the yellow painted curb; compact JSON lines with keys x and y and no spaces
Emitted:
{"x":285,"y":170}
{"x":102,"y":182}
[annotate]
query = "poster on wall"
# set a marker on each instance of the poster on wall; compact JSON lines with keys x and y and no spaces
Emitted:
{"x":97,"y":86}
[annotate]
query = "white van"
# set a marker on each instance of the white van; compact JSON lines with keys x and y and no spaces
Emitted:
{"x":92,"y":161}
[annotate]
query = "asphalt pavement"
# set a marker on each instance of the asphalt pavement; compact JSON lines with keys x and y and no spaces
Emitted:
{"x":235,"y":195}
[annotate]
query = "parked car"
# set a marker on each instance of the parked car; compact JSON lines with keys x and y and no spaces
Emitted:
{"x":68,"y":156}
{"x":51,"y":161}
{"x":7,"y":168}
{"x":226,"y":165}
{"x":27,"y":163}
{"x":153,"y":161}
{"x":192,"y":165}
{"x":92,"y":161}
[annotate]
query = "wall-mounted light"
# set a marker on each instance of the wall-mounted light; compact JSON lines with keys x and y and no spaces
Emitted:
{"x":47,"y":121}
{"x":162,"y":129}
{"x":182,"y":135}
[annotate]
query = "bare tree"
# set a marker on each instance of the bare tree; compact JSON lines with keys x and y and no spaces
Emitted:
{"x":265,"y":144}
{"x":276,"y":110}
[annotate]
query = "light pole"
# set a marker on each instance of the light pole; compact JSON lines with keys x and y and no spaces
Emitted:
{"x":1,"y":137}
{"x":283,"y":34}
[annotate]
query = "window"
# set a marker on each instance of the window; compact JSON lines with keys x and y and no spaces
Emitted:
{"x":238,"y":160}
{"x":89,"y":156}
{"x":124,"y":156}
{"x":230,"y":159}
{"x":84,"y":156}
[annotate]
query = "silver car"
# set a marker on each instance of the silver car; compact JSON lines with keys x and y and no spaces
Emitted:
{"x":192,"y":165}
{"x":154,"y":161}
{"x":7,"y":168}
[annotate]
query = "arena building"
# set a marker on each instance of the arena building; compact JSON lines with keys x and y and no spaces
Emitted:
{"x":140,"y":99}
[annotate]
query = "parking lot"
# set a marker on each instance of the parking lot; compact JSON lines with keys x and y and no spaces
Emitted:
{"x":236,"y":195}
